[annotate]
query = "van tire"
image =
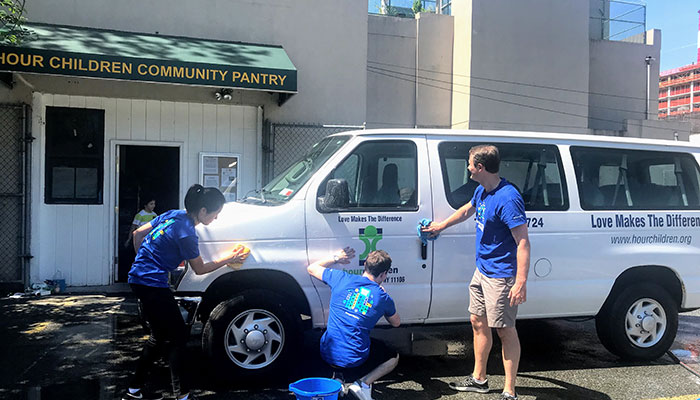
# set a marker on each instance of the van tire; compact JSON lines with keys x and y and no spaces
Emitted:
{"x":639,"y":323}
{"x":255,"y":322}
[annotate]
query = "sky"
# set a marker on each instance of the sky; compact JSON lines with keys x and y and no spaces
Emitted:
{"x":678,"y":22}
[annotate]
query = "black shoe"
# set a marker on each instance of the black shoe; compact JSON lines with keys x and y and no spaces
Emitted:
{"x":470,"y":385}
{"x":508,"y":396}
{"x":142,"y":395}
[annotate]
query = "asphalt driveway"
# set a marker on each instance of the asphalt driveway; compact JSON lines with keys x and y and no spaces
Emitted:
{"x":83,"y":347}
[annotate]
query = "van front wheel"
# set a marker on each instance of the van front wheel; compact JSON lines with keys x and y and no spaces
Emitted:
{"x":640,"y":323}
{"x":252,"y":334}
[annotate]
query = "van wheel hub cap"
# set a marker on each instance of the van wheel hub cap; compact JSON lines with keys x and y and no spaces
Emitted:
{"x":254,"y":339}
{"x":645,"y":323}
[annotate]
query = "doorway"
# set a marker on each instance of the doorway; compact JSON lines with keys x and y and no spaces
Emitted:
{"x":145,"y":173}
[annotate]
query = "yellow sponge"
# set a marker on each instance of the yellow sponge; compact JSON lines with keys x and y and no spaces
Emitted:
{"x":239,"y":249}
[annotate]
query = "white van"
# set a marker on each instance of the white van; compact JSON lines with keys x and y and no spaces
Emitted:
{"x":614,"y":225}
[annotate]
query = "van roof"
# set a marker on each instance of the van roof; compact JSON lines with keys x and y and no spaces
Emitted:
{"x":562,"y":138}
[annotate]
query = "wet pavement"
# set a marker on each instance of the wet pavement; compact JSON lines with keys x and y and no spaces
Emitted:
{"x":84,"y":346}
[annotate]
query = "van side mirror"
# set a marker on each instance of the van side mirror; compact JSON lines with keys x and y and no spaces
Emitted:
{"x":337,"y":196}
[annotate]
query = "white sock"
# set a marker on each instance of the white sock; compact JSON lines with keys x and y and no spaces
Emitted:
{"x":184,"y":398}
{"x":364,"y":385}
{"x":132,"y":391}
{"x":480,"y":382}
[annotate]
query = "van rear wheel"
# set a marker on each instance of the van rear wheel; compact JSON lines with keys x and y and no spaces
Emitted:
{"x":252,"y":334}
{"x":640,"y":322}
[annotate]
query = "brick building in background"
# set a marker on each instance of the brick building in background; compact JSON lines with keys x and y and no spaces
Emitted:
{"x":679,"y":93}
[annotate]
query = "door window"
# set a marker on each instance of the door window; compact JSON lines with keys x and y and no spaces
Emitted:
{"x":380,"y":175}
{"x":534,"y":169}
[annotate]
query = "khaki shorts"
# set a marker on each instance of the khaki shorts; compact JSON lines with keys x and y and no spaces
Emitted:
{"x":489,"y":296}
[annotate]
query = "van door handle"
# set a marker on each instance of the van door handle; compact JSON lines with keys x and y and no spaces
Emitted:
{"x":424,"y":251}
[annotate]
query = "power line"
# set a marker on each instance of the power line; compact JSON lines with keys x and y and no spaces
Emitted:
{"x":510,"y":82}
{"x":520,"y":104}
{"x":512,"y":93}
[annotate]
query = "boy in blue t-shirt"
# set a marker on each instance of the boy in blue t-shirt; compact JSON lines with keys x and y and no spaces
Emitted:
{"x":356,"y":304}
{"x":499,"y":282}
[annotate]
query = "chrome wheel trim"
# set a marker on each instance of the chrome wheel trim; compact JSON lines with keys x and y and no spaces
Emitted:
{"x":254,"y":339}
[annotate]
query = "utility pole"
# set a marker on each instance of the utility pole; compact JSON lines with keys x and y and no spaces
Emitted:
{"x":648,"y":60}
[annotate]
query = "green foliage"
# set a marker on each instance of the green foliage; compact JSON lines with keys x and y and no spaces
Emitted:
{"x":417,"y":6}
{"x":11,"y":21}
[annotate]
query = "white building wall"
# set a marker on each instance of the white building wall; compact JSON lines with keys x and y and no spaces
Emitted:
{"x":391,"y":63}
{"x":79,"y":239}
{"x":434,"y":70}
{"x":529,"y":65}
{"x":618,"y":81}
{"x":401,"y":52}
{"x":325,"y":39}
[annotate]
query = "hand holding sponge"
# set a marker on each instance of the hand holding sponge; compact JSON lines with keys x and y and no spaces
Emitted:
{"x":238,"y":255}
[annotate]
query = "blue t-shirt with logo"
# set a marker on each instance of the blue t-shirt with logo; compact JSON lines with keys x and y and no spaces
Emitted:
{"x":497,"y":212}
{"x":171,"y":241}
{"x":357,"y":303}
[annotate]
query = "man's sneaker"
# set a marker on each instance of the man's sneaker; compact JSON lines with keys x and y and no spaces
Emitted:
{"x":508,"y":396}
{"x":142,"y":395}
{"x":360,"y":392}
{"x":471,"y":385}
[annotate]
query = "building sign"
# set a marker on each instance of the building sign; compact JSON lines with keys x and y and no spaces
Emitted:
{"x":17,"y":59}
{"x":109,"y":54}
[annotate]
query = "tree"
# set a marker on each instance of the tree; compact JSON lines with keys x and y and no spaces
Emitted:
{"x":11,"y":22}
{"x":417,"y":6}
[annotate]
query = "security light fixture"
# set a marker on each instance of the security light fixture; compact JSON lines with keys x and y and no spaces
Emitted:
{"x":223,"y":94}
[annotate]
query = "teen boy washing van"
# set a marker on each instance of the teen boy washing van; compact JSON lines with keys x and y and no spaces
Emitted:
{"x":356,"y":304}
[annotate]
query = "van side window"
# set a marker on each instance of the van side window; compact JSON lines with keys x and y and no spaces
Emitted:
{"x":534,"y":169}
{"x":380,"y":174}
{"x":611,"y":179}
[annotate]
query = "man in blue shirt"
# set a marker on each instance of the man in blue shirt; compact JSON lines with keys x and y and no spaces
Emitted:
{"x":356,"y":304}
{"x":498,"y":285}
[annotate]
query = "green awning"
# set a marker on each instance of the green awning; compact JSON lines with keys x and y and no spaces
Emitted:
{"x":98,"y":53}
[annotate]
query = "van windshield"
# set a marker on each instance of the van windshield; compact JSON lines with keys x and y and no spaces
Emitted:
{"x":284,"y":186}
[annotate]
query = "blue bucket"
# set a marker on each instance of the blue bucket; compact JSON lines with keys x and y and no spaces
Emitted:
{"x":316,"y":389}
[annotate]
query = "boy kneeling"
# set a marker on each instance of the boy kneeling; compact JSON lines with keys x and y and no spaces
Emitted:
{"x":357,"y":303}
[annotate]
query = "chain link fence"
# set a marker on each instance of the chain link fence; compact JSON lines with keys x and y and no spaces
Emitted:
{"x":285,"y":143}
{"x":13,"y":196}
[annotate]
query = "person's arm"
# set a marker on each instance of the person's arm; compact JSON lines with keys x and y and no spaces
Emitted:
{"x":131,"y":232}
{"x":394,"y":320}
{"x":343,"y":257}
{"x":461,"y":215}
{"x":200,"y":267}
{"x":518,"y":293}
{"x":140,"y":234}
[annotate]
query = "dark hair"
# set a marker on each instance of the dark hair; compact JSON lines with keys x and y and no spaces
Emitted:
{"x":198,"y":197}
{"x":145,"y":200}
{"x":486,"y":155}
{"x":377,"y":262}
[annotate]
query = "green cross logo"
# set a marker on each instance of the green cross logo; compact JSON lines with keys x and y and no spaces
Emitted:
{"x":370,"y":236}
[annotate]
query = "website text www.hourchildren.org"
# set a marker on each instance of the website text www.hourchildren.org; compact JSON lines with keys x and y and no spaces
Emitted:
{"x":658,"y":238}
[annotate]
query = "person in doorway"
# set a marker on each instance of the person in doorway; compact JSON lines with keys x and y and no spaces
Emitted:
{"x":498,"y":285}
{"x":161,"y":245}
{"x":357,"y":303}
{"x":142,"y":217}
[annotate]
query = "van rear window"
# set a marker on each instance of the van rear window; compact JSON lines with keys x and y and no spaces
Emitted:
{"x":614,"y":179}
{"x":534,"y":169}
